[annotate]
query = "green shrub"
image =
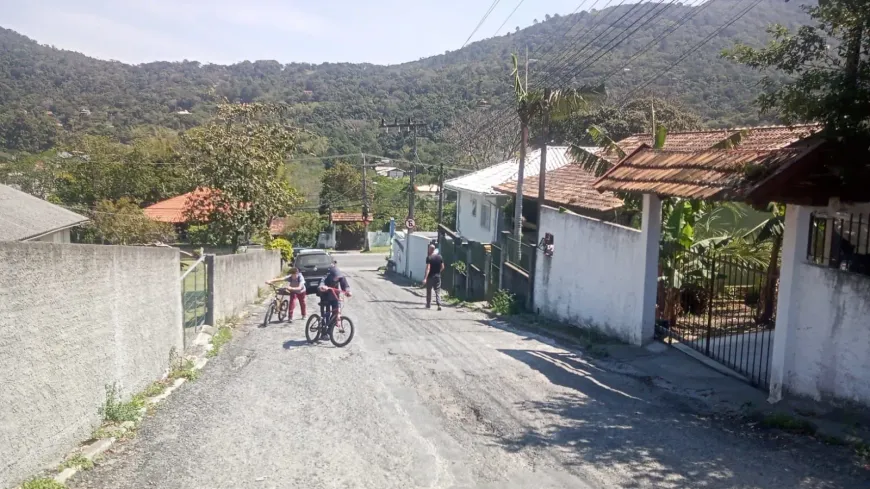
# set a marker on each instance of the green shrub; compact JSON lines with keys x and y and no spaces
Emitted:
{"x":285,"y":246}
{"x":223,"y":335}
{"x":42,"y":484}
{"x":117,"y":411}
{"x":503,"y":303}
{"x":460,"y":267}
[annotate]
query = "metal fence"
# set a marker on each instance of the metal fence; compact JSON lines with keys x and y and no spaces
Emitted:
{"x":518,"y":253}
{"x":721,"y":307}
{"x":194,"y":297}
{"x":840,"y":241}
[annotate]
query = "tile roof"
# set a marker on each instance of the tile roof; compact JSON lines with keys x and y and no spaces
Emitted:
{"x":277,"y":225}
{"x":722,"y":174}
{"x":764,"y":137}
{"x":23,"y":216}
{"x":346,"y":217}
{"x":569,"y":186}
{"x":484,"y":181}
{"x":174,"y":210}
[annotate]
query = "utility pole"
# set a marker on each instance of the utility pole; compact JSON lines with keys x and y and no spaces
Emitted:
{"x":652,"y":106}
{"x":441,"y":192}
{"x":542,"y":185}
{"x":365,"y":209}
{"x":411,"y":126}
{"x":524,"y":142}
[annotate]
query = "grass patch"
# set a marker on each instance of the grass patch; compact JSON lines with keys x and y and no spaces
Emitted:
{"x":785,"y":422}
{"x":43,"y":483}
{"x":223,"y":336}
{"x":155,"y":389}
{"x":77,"y":461}
{"x":504,"y":303}
{"x":183,"y":369}
{"x":115,"y":410}
{"x":377,"y":249}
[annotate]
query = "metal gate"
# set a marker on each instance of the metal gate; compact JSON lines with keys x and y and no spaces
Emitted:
{"x":194,"y":297}
{"x":720,"y":306}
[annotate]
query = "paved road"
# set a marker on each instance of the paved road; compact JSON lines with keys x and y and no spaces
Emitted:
{"x":427,"y":399}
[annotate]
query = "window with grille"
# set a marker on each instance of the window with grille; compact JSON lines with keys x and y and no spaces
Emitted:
{"x":485,"y":211}
{"x":841,"y":241}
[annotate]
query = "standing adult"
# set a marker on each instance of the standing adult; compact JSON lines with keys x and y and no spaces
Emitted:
{"x":432,"y":278}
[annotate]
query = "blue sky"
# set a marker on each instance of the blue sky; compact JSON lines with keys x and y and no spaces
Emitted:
{"x":226,"y":31}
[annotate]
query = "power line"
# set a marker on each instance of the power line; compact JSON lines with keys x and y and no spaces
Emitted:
{"x":482,"y":20}
{"x":508,"y":18}
{"x":689,"y":52}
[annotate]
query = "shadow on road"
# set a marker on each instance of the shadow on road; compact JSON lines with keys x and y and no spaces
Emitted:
{"x":294,"y":343}
{"x":617,"y":424}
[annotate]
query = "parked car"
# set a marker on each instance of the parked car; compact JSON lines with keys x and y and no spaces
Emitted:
{"x":313,"y":265}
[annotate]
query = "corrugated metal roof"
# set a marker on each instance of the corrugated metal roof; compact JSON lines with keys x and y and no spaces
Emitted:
{"x":484,"y":181}
{"x":570,"y":186}
{"x":721,"y":174}
{"x":23,"y":216}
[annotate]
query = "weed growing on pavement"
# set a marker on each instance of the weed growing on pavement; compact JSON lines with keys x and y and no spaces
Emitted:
{"x":117,"y":411}
{"x":788,"y":423}
{"x":184,"y":369}
{"x":77,"y":461}
{"x":43,"y":483}
{"x":503,"y":303}
{"x":223,"y":335}
{"x":155,"y":389}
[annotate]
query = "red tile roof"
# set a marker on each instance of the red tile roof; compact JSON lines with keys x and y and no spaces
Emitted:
{"x":725,"y":174}
{"x":176,"y":209}
{"x":346,"y":217}
{"x":765,"y":137}
{"x":569,"y":186}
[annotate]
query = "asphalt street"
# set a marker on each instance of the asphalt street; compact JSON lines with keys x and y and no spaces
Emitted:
{"x":429,"y":399}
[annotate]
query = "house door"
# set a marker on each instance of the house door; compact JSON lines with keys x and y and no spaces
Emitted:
{"x":722,"y":307}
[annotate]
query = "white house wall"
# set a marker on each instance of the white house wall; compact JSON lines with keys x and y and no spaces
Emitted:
{"x":468,"y":226}
{"x":595,"y":277}
{"x":831,"y":334}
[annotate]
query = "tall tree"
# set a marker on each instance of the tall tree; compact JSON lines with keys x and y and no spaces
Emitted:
{"x":238,"y":160}
{"x":827,"y":67}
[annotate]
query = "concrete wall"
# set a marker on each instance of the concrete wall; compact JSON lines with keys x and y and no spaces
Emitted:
{"x":416,"y":253}
{"x":595,"y":277}
{"x":237,"y":279}
{"x":822,"y":338}
{"x":468,"y":226}
{"x":831,"y":327}
{"x":60,"y":237}
{"x":74,"y":318}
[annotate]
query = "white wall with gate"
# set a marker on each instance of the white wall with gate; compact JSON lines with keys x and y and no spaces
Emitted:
{"x":822,"y":339}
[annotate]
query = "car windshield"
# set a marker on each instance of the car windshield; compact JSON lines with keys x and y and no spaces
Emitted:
{"x":318,"y":260}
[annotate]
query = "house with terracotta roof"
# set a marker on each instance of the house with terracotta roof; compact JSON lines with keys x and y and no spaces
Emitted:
{"x":479,"y":214}
{"x":817,"y":342}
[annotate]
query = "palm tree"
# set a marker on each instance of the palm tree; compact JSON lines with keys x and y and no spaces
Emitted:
{"x":532,"y":104}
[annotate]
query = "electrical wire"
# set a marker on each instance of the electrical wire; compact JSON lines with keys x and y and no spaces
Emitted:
{"x":482,"y":20}
{"x":508,"y":18}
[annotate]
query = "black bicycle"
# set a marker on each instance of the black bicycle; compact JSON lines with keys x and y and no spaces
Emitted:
{"x":280,"y":304}
{"x":319,"y":328}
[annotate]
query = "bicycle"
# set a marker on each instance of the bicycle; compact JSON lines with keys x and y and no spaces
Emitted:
{"x":318,"y":328}
{"x":279,"y":303}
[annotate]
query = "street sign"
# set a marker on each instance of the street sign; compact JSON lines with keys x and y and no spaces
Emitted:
{"x":409,"y":223}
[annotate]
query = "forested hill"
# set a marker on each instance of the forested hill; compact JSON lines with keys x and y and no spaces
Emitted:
{"x":63,"y":91}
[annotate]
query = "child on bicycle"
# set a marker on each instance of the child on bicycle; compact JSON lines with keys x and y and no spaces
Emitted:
{"x":334,"y":279}
{"x":295,"y":289}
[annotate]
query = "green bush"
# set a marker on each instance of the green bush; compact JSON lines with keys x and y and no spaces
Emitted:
{"x":459,"y":266}
{"x":503,"y":303}
{"x":285,"y":246}
{"x":115,"y":410}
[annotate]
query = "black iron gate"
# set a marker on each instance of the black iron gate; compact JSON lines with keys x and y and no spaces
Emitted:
{"x":723,"y":307}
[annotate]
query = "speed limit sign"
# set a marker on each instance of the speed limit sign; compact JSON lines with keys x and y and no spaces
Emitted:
{"x":409,"y":223}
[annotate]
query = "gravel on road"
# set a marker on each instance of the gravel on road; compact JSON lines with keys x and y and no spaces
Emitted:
{"x":429,"y":399}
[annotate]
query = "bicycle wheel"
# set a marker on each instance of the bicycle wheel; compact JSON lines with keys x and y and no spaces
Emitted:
{"x":341,"y":334}
{"x":269,"y":312}
{"x":312,"y":328}
{"x":282,"y":310}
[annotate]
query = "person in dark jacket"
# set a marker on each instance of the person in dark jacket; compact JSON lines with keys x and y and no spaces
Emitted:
{"x":432,"y":278}
{"x":333,"y":280}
